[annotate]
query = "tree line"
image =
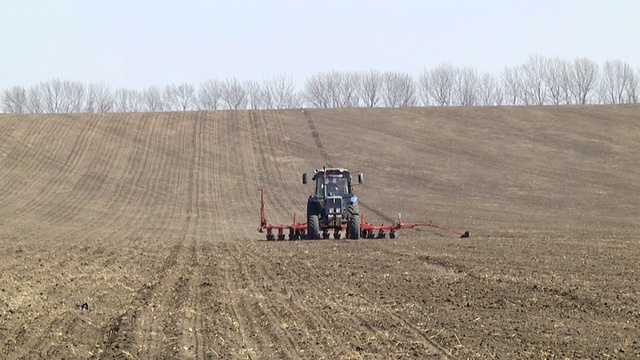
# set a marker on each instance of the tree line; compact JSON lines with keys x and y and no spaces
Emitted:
{"x":539,"y":81}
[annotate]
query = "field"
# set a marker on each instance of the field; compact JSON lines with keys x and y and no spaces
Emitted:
{"x":133,"y":236}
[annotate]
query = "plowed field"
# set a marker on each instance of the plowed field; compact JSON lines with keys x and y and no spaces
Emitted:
{"x":133,"y":236}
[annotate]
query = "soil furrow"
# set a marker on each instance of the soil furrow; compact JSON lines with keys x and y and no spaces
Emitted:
{"x":18,"y":165}
{"x":131,"y":236}
{"x":327,"y":160}
{"x":119,"y":335}
{"x":50,"y":187}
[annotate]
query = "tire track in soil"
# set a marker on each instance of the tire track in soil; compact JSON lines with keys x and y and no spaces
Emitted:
{"x":287,"y":304}
{"x":248,"y":347}
{"x":173,"y":292}
{"x":140,"y":164}
{"x":390,"y":317}
{"x":125,"y":164}
{"x":57,"y":198}
{"x":134,"y":162}
{"x":256,"y":315}
{"x":193,"y":343}
{"x":178,"y":295}
{"x":316,"y":136}
{"x":94,"y":189}
{"x":332,"y":311}
{"x":267,"y":309}
{"x":223,"y":161}
{"x":223,"y":131}
{"x":118,"y":334}
{"x":344,"y":313}
{"x":249,"y":165}
{"x":160,"y":306}
{"x":43,"y":195}
{"x":30,"y":154}
{"x":325,"y":156}
{"x":146,"y":182}
{"x":166,"y":183}
{"x":23,"y":144}
{"x":268,"y":142}
{"x":431,"y":260}
{"x":285,"y":168}
{"x":161,"y":187}
{"x":549,"y":292}
{"x":81,"y":192}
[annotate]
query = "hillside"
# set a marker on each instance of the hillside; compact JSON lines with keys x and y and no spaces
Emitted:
{"x":135,"y":212}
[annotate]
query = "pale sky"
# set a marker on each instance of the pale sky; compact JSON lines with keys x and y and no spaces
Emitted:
{"x":138,"y":43}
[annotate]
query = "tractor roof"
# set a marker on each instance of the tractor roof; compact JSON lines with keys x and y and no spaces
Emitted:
{"x":333,"y":169}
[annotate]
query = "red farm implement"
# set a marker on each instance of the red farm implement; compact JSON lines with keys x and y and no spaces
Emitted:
{"x":300,"y":229}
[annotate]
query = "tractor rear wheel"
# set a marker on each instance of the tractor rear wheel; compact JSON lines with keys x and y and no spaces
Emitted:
{"x":313,"y":227}
{"x":353,"y":226}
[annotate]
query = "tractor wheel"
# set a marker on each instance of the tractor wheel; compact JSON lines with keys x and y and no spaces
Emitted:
{"x":353,"y":226}
{"x":313,"y":227}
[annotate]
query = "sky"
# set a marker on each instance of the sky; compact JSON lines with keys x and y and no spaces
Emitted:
{"x":135,"y":44}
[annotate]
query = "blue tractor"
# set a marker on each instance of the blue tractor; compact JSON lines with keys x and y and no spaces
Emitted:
{"x":333,"y":207}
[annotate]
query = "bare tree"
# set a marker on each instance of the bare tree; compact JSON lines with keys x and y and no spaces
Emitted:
{"x":424,"y":88}
{"x":186,"y":94}
{"x":617,"y":83}
{"x":633,"y":88}
{"x":567,"y":84}
{"x":210,"y":95}
{"x":170,"y":98}
{"x":258,"y":97}
{"x":52,"y":95}
{"x":554,"y":73}
{"x":152,"y":99}
{"x":333,"y":81}
{"x":179,"y":97}
{"x":333,"y":89}
{"x":499,"y":94}
{"x":467,"y":87}
{"x":534,"y":85}
{"x":584,"y":77}
{"x":370,"y":87}
{"x":35,"y":104}
{"x":316,"y":91}
{"x":73,"y":97}
{"x":441,"y":82}
{"x":99,"y":98}
{"x":538,"y":81}
{"x":398,"y":90}
{"x":234,"y":94}
{"x":126,"y":100}
{"x":488,"y":89}
{"x":350,"y":89}
{"x":513,"y":85}
{"x":14,"y":100}
{"x":282,"y":92}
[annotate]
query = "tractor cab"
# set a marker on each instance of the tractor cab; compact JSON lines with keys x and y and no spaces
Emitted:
{"x":332,"y":182}
{"x":333,"y":205}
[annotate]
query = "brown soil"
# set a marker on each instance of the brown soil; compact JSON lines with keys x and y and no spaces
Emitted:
{"x":134,"y":235}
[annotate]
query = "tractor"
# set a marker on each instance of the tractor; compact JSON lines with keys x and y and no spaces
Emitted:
{"x":333,"y":206}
